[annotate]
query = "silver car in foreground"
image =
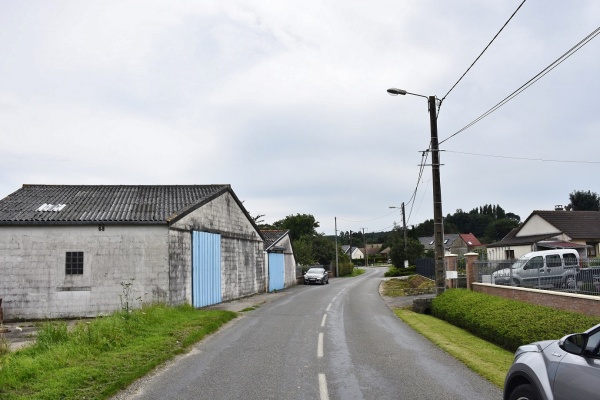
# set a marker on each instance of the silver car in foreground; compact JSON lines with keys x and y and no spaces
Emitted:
{"x":565,"y":369}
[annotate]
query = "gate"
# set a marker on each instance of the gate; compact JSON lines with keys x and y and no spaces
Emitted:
{"x":276,"y":271}
{"x":425,"y":267}
{"x":206,"y":268}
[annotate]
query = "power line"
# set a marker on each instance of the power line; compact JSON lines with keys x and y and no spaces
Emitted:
{"x":486,"y":47}
{"x":525,"y":158}
{"x":530,"y":82}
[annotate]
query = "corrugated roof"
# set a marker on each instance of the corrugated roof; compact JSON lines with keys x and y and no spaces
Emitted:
{"x":272,"y":236}
{"x":73,"y":204}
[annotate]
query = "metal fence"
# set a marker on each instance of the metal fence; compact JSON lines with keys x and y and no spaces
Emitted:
{"x":582,"y":277}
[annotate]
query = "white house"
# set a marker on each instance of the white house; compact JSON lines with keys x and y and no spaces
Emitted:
{"x":544,"y":230}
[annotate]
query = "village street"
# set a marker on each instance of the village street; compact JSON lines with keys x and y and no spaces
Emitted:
{"x":336,"y":341}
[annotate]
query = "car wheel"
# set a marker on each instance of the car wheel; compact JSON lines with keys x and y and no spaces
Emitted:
{"x":515,"y":282}
{"x":569,"y":282}
{"x":524,"y":392}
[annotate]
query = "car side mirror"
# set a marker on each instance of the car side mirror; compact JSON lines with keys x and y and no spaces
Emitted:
{"x":574,"y":344}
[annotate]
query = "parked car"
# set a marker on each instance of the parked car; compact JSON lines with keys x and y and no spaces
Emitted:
{"x":547,"y":268}
{"x":565,"y":369}
{"x":316,"y":275}
{"x":588,"y":280}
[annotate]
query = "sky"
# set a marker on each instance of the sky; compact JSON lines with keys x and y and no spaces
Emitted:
{"x":286,"y":101}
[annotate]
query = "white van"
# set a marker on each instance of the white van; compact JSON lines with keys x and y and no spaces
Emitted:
{"x":543,"y":269}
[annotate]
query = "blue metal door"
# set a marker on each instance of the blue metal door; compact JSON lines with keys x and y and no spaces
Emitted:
{"x":276,"y":271}
{"x":206,"y":269}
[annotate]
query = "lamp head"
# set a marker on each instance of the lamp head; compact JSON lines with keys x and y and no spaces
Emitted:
{"x":396,"y":92}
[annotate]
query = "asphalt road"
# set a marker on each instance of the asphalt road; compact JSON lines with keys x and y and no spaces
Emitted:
{"x":337,"y":341}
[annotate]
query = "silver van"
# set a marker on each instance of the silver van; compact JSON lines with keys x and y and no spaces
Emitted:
{"x":541,"y":269}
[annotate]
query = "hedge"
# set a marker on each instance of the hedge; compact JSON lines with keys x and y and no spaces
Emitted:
{"x":507,"y":323}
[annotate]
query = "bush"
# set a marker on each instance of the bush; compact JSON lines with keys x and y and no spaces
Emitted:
{"x":345,"y":268}
{"x":393,"y":271}
{"x":507,"y":323}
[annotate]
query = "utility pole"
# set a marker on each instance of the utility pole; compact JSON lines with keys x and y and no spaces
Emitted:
{"x":366,"y":253}
{"x":404,"y":226}
{"x":438,"y":221}
{"x":350,"y":245}
{"x":337,"y":263}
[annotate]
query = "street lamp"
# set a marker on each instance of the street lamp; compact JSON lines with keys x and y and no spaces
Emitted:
{"x":438,"y":221}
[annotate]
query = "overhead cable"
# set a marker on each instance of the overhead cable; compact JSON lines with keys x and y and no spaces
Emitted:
{"x":530,"y":82}
{"x":486,"y":47}
{"x":526,"y":159}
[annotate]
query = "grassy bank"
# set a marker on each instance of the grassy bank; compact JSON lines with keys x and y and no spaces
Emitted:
{"x":96,"y":358}
{"x":484,"y":358}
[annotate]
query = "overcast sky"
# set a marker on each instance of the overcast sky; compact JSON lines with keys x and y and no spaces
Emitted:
{"x":286,"y":101}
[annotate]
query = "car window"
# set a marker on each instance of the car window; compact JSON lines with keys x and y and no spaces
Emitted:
{"x":535,"y":263}
{"x":570,"y":259}
{"x":593,"y":344}
{"x":553,"y":261}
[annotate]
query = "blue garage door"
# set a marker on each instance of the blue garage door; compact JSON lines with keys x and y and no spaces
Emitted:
{"x":206,"y":269}
{"x":276,"y":273}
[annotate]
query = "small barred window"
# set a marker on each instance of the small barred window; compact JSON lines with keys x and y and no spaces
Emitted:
{"x":74,"y":263}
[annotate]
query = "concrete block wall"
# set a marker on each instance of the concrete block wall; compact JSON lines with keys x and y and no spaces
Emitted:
{"x":34,"y":285}
{"x":242,"y":249}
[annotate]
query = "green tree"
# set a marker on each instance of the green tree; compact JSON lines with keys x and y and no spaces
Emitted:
{"x":496,"y":230}
{"x":323,"y":249}
{"x":414,"y":250}
{"x":299,"y":225}
{"x":303,"y":251}
{"x":584,"y":201}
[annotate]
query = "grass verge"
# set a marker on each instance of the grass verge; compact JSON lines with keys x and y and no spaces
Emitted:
{"x":97,"y":358}
{"x":488,"y":360}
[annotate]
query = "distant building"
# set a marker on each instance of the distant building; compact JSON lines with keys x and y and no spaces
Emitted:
{"x":281,"y":263}
{"x":355,"y":252}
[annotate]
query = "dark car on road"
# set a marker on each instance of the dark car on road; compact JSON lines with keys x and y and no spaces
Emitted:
{"x":565,"y":369}
{"x":316,"y":275}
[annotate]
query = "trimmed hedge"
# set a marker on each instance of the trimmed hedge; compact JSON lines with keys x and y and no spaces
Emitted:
{"x":507,"y":323}
{"x":393,"y":271}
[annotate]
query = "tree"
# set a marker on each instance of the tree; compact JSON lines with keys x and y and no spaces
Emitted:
{"x":499,"y":229}
{"x":303,"y":251}
{"x":584,"y":201}
{"x":414,"y":250}
{"x":299,"y":225}
{"x":323,"y":249}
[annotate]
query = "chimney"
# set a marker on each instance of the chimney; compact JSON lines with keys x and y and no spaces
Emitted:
{"x":559,"y":208}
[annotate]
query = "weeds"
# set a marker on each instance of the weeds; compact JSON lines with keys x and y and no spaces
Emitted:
{"x":128,"y":296}
{"x":4,"y":345}
{"x":98,"y":357}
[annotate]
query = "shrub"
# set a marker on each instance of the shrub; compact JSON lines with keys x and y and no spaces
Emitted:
{"x":393,"y":271}
{"x":345,"y":268}
{"x":508,"y":323}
